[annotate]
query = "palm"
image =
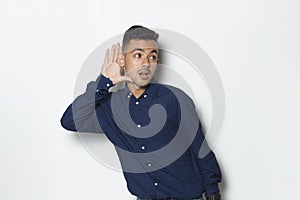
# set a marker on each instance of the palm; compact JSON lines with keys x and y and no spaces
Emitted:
{"x":111,"y":68}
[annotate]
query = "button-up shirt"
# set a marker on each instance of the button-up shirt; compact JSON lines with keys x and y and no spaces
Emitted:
{"x":159,"y":156}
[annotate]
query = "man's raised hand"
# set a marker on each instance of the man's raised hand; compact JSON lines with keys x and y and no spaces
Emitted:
{"x":111,"y":67}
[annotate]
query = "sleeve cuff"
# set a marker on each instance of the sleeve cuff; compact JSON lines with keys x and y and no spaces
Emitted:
{"x":103,"y":84}
{"x":211,"y":189}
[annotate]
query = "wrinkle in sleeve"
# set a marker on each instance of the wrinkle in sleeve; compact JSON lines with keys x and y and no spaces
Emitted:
{"x":81,"y":115}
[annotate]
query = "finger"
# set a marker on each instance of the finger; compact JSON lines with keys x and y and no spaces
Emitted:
{"x":113,"y":51}
{"x":104,"y":65}
{"x":120,"y":50}
{"x":125,"y":78}
{"x":117,"y":52}
{"x":106,"y":59}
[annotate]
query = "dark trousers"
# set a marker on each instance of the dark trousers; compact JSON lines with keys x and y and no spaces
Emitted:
{"x":170,"y":199}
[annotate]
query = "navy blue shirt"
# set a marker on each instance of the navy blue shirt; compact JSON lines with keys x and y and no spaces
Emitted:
{"x":157,"y":137}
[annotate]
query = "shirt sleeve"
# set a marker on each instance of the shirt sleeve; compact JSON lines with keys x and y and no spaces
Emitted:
{"x":81,"y":116}
{"x":208,"y":164}
{"x":204,"y":156}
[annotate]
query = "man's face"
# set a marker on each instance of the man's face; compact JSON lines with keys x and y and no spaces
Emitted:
{"x":140,"y":61}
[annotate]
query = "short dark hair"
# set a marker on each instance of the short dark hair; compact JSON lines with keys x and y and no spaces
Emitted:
{"x":140,"y":33}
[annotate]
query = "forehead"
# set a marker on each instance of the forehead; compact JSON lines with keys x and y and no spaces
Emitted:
{"x":146,"y":45}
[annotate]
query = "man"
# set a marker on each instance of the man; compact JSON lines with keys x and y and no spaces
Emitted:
{"x":154,"y":127}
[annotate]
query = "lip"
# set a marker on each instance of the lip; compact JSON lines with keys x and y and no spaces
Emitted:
{"x":144,"y":74}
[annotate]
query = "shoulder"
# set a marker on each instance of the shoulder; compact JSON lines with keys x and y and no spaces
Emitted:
{"x":165,"y":89}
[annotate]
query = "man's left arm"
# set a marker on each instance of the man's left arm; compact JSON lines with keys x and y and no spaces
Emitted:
{"x":207,"y":163}
{"x":205,"y":157}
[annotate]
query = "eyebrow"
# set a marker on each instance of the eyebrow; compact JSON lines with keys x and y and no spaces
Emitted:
{"x":140,"y":49}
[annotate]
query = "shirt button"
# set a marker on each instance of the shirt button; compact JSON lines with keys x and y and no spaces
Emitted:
{"x":137,"y":103}
{"x":139,"y":125}
{"x":149,"y":164}
{"x":156,"y":184}
{"x":143,"y":147}
{"x":107,"y":84}
{"x":97,"y":90}
{"x":145,"y":95}
{"x":128,"y":96}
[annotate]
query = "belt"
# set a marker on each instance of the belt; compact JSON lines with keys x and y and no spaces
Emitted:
{"x":165,"y":199}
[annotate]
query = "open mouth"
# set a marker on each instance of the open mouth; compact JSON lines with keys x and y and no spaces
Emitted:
{"x":145,"y":74}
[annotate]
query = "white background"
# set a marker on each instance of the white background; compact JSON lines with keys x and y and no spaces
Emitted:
{"x":254,"y":44}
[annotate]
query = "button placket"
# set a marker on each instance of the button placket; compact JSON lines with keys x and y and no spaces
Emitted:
{"x":129,"y":95}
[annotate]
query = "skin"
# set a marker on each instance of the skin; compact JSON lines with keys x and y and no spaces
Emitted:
{"x":139,"y":63}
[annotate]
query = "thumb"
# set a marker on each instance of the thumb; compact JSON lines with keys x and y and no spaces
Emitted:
{"x":125,"y":78}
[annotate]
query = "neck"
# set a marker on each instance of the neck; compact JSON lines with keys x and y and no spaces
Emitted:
{"x":137,"y":91}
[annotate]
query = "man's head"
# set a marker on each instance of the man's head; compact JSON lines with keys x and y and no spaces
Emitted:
{"x":138,"y":32}
{"x":140,"y":54}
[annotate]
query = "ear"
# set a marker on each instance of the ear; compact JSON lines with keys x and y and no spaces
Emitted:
{"x":121,"y":60}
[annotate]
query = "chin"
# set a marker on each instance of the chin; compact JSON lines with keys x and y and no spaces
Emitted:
{"x":143,"y":84}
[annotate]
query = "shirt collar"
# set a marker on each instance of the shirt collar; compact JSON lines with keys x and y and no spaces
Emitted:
{"x":151,"y":90}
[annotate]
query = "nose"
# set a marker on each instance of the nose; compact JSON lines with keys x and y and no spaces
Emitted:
{"x":145,"y":61}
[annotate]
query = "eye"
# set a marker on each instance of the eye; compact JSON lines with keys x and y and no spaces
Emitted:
{"x":137,"y":55}
{"x":153,"y":57}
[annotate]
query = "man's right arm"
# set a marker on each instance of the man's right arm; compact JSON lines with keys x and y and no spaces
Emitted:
{"x":80,"y":116}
